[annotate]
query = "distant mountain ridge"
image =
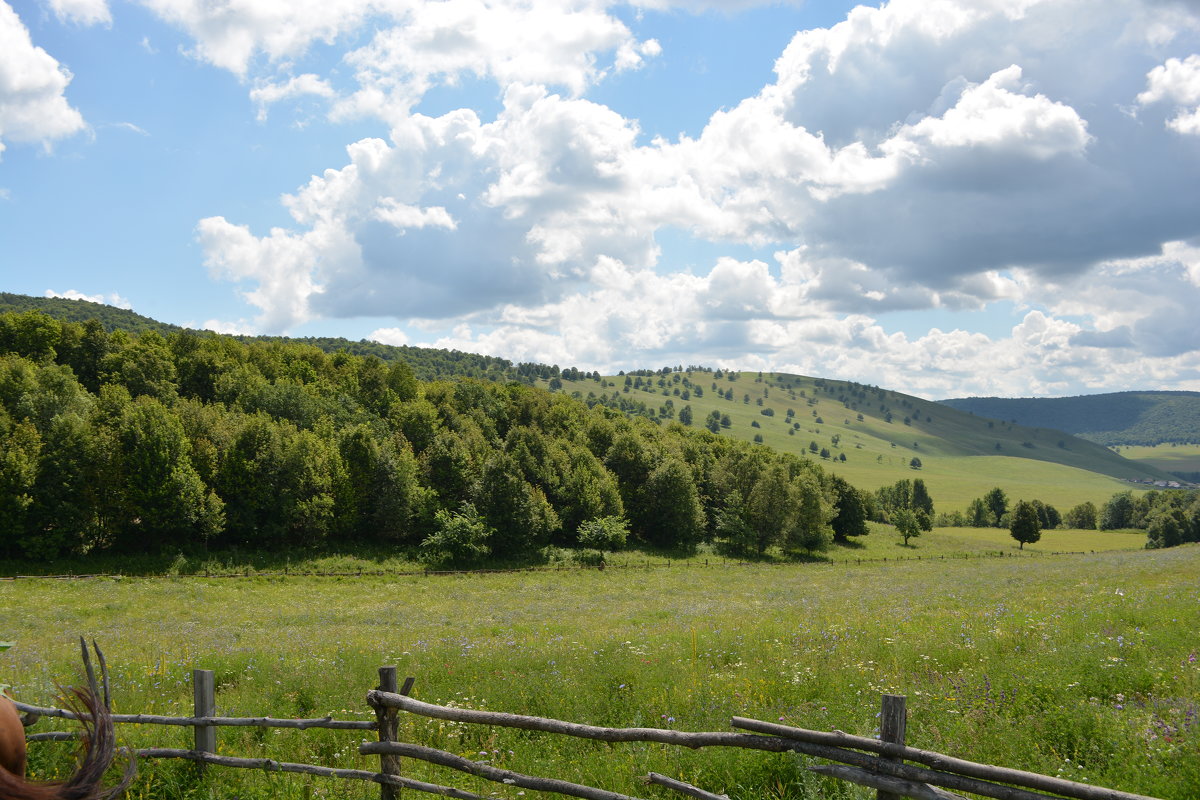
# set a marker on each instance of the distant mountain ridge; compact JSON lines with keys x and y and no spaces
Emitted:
{"x":1117,"y":418}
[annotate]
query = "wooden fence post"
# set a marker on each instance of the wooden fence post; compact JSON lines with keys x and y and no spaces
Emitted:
{"x":204,"y":705}
{"x":893,"y":720}
{"x":388,"y":727}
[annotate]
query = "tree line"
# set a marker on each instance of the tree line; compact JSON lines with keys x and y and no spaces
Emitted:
{"x":1169,"y":517}
{"x":125,"y":443}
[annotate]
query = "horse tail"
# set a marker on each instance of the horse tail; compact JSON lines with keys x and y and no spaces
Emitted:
{"x":99,"y":751}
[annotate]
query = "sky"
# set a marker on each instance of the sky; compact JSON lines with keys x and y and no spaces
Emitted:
{"x":941,"y":197}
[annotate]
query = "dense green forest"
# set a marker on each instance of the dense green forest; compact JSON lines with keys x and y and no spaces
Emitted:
{"x":426,"y":363}
{"x":122,"y":442}
{"x":1118,"y":418}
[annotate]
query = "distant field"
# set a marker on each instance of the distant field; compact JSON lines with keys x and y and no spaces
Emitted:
{"x":1084,"y":666}
{"x":1167,"y":457}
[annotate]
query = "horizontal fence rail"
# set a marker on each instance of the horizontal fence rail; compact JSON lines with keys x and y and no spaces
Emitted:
{"x":888,"y":765}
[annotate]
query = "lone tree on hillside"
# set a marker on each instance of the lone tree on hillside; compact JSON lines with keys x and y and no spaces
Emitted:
{"x":907,"y":524}
{"x":1026,"y":527}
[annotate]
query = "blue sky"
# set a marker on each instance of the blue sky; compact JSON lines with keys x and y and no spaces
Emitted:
{"x":945,"y":197}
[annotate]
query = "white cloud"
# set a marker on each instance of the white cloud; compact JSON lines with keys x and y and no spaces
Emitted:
{"x":1177,"y":81}
{"x":519,"y":42}
{"x":995,"y":115}
{"x":920,"y":155}
{"x":112,"y":299}
{"x":33,"y":107}
{"x":230,"y":34}
{"x":82,"y":12}
{"x":267,"y":92}
{"x":238,"y":328}
{"x":392,"y":336}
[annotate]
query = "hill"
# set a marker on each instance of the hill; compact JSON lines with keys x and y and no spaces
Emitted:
{"x":427,"y":363}
{"x":870,"y":435}
{"x":1118,"y":418}
{"x":61,"y":308}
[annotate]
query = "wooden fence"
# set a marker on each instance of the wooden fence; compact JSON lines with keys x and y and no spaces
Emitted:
{"x":886,"y":764}
{"x":643,"y":564}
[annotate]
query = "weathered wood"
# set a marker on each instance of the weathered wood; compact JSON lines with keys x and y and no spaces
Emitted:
{"x":938,"y":761}
{"x":236,"y":722}
{"x":682,"y":738}
{"x":893,"y":721}
{"x":777,"y":745}
{"x":53,"y":736}
{"x":898,"y":786}
{"x":683,"y":788}
{"x":270,"y":765}
{"x":203,"y":695}
{"x":389,"y":726}
{"x":488,"y":772}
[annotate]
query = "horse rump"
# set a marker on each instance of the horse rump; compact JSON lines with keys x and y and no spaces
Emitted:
{"x":99,"y":749}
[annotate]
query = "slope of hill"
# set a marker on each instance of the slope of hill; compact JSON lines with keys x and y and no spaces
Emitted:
{"x":879,"y":432}
{"x":61,"y":308}
{"x":427,"y":363}
{"x":1119,"y":418}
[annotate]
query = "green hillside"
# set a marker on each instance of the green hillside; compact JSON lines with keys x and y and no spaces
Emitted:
{"x":60,"y":308}
{"x":427,"y":363}
{"x":961,"y":455}
{"x":1118,"y":418}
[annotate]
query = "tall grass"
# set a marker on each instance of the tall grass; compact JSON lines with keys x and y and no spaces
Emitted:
{"x":1084,"y":666}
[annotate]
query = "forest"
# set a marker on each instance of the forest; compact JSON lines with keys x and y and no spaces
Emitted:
{"x":124,"y":442}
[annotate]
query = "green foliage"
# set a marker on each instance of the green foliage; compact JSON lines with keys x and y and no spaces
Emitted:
{"x":459,"y":539}
{"x":1117,"y":512}
{"x":907,"y":524}
{"x":604,"y":533}
{"x":1082,"y":517}
{"x":1119,"y":418}
{"x":851,"y":514}
{"x":1026,"y":528}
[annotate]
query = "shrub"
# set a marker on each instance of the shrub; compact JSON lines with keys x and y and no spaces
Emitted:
{"x":460,"y":539}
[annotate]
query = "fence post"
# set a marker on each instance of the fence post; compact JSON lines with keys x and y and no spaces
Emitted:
{"x":893,"y":720}
{"x":204,"y":705}
{"x":388,"y":727}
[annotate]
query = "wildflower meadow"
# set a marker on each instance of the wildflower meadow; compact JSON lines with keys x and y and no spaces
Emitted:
{"x":1083,"y":666}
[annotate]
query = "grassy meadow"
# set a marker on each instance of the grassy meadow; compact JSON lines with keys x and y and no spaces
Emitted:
{"x":1085,"y":666}
{"x":1167,"y":457}
{"x":962,"y":456}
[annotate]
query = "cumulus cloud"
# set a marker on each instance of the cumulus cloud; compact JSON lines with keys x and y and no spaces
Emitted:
{"x":268,"y":92}
{"x":33,"y":106}
{"x":511,"y":43}
{"x":82,"y":12}
{"x":111,"y":299}
{"x":935,"y":154}
{"x":1177,"y":81}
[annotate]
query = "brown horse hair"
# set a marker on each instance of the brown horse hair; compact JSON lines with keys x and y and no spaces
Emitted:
{"x":98,"y":751}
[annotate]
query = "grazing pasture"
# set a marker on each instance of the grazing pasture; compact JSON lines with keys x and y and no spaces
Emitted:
{"x":1085,"y":666}
{"x":1167,"y":457}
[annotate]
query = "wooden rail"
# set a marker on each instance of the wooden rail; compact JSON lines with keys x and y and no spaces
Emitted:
{"x":887,"y":764}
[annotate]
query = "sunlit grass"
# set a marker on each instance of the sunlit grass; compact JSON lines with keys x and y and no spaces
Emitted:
{"x":1084,"y":666}
{"x":1168,"y":457}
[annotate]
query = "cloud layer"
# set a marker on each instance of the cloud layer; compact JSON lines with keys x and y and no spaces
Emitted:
{"x":950,"y":155}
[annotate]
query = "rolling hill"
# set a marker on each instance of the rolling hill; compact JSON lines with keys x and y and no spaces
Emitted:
{"x":1118,"y":418}
{"x":869,"y":435}
{"x":880,"y":432}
